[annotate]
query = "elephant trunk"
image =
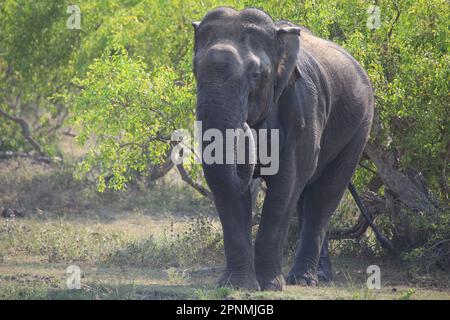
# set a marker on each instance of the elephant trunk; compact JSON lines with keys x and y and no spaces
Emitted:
{"x":233,"y":179}
{"x":224,"y":177}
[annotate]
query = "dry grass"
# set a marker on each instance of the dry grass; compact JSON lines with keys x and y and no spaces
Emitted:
{"x":145,"y":243}
{"x":36,"y":187}
{"x":39,"y":281}
{"x":34,"y":266}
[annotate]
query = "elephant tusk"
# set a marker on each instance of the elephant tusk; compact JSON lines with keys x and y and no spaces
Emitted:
{"x":246,"y":170}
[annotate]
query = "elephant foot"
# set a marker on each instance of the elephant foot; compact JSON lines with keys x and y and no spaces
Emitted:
{"x":305,"y":279}
{"x":324,"y":272}
{"x":271,"y":283}
{"x":239,"y":281}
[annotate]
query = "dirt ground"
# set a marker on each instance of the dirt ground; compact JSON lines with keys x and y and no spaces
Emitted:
{"x":26,"y":273}
{"x":48,"y":281}
{"x":153,"y":242}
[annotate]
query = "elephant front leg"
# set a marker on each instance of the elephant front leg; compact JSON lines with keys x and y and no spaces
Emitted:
{"x":236,"y":219}
{"x":278,"y":206}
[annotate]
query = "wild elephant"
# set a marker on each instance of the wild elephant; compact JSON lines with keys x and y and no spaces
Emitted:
{"x":252,"y":72}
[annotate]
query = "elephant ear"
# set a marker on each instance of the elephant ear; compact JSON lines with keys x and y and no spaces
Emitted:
{"x":288,"y":44}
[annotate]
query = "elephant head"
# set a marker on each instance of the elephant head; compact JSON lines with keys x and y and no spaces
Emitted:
{"x":242,"y":63}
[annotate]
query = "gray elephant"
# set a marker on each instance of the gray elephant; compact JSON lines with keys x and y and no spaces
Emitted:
{"x":255,"y":73}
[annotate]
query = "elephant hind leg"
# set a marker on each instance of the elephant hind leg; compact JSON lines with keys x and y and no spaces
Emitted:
{"x":320,"y":200}
{"x":324,"y":270}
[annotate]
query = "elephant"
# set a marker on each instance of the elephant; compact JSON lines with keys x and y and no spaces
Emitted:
{"x":253,"y":73}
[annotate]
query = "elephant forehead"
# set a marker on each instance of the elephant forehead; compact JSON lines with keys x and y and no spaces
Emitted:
{"x":249,"y":15}
{"x":231,"y":24}
{"x":244,"y":38}
{"x":234,"y":29}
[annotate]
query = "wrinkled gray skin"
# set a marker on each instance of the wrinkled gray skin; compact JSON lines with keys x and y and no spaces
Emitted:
{"x":253,"y":71}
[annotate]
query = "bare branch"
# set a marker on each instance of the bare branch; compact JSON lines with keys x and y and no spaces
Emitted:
{"x":60,"y":119}
{"x":69,"y":133}
{"x":398,"y":182}
{"x":186,"y":178}
{"x":375,"y":206}
{"x":25,"y":131}
{"x":391,"y":29}
{"x":158,"y":171}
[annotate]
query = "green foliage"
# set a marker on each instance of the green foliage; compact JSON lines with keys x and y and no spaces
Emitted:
{"x":35,"y":65}
{"x":131,"y":113}
{"x":406,"y":59}
{"x":137,"y":54}
{"x":408,"y":294}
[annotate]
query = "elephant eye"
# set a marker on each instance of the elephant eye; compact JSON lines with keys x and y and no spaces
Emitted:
{"x":255,"y":75}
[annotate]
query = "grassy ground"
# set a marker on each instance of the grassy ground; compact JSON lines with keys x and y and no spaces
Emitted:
{"x":157,"y":242}
{"x":47,"y":281}
{"x":116,"y":262}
